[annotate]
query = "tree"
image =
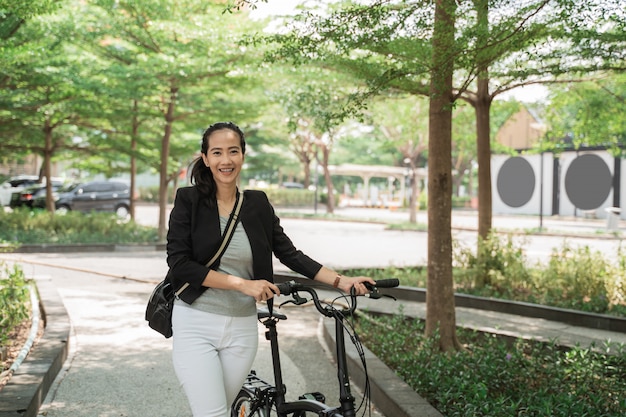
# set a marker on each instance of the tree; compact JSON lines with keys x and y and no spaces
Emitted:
{"x":316,"y":113}
{"x":404,"y":123}
{"x":590,"y":114}
{"x":499,"y":46}
{"x":182,"y":51}
{"x":15,"y":13}
{"x":47,"y":100}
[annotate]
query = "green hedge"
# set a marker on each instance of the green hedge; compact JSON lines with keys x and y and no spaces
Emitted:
{"x":14,"y":296}
{"x":290,"y":197}
{"x":26,"y":226}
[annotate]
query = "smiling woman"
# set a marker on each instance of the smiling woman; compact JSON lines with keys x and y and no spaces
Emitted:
{"x":214,"y":318}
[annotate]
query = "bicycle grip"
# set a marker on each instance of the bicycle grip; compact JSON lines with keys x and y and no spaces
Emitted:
{"x":387,"y":283}
{"x":285,"y":288}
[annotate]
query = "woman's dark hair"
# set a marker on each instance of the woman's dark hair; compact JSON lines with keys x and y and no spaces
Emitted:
{"x":201,"y":175}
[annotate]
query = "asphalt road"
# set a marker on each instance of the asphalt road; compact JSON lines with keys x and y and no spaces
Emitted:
{"x":368,"y":244}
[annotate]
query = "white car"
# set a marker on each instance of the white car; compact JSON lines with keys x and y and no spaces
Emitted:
{"x":15,"y":185}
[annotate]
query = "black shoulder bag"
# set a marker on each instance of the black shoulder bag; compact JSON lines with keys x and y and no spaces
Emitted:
{"x":161,"y":302}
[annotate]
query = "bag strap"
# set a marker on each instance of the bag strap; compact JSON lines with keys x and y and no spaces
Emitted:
{"x":228,"y":230}
{"x":226,"y":237}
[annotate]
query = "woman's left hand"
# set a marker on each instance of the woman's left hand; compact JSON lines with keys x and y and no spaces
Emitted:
{"x":346,"y":283}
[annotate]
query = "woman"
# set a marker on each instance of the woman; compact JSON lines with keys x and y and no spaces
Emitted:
{"x":214,"y":321}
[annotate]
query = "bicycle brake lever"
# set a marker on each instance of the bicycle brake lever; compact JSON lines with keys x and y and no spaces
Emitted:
{"x":297,"y":300}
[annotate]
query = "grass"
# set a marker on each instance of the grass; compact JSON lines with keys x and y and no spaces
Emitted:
{"x":496,"y":377}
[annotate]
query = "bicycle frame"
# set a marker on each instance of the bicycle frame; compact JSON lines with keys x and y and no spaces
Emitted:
{"x":263,"y":397}
{"x":284,"y":408}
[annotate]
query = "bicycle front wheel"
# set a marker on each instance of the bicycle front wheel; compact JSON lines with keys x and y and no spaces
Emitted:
{"x":242,"y":406}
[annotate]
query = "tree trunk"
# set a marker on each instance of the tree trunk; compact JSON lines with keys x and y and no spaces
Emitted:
{"x":330,"y":205}
{"x":440,"y":313}
{"x":133,"y":158}
{"x":414,"y":195}
{"x":165,"y":153}
{"x":483,"y":145}
{"x":307,"y":175}
{"x":47,"y":171}
{"x":470,"y":181}
{"x":483,"y":150}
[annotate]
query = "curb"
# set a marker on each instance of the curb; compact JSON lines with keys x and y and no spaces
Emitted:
{"x":29,"y":385}
{"x":562,"y":315}
{"x":92,"y":247}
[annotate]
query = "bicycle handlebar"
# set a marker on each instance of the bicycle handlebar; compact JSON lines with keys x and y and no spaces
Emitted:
{"x":292,"y":288}
{"x":383,"y":283}
{"x":289,"y":287}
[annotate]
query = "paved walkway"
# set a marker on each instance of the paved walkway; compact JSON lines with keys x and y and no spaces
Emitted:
{"x":117,"y":366}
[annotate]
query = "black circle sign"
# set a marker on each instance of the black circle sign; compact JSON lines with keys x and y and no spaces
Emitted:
{"x":516,"y":182}
{"x":588,"y":182}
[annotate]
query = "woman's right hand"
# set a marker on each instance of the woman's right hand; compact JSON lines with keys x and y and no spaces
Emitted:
{"x":260,"y":289}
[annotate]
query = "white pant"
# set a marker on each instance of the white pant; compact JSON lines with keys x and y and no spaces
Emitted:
{"x":212,"y":355}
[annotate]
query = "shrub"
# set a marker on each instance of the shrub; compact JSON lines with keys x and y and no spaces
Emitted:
{"x":460,"y":202}
{"x":151,"y":194}
{"x":575,"y":278}
{"x":412,"y":276}
{"x":290,"y":197}
{"x":581,"y":279}
{"x":13,"y":299}
{"x":497,"y":264}
{"x":32,"y":227}
{"x":495,"y":377}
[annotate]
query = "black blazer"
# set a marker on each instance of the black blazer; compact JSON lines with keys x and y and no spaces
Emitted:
{"x":194,"y":237}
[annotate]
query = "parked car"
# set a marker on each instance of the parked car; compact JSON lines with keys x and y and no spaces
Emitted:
{"x":29,"y":194}
{"x":112,"y":196}
{"x":293,"y":185}
{"x":15,"y":185}
{"x":39,"y":200}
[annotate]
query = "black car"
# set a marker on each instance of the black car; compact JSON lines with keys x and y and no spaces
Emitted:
{"x":29,"y":195}
{"x":112,"y":196}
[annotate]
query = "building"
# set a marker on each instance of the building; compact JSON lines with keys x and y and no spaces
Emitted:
{"x":522,"y":130}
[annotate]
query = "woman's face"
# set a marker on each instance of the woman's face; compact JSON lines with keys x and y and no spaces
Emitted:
{"x":224,"y":156}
